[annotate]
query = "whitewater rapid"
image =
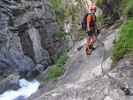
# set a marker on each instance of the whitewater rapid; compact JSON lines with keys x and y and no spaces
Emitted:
{"x":26,"y":90}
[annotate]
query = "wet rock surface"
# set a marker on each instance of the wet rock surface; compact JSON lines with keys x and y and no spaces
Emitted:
{"x":9,"y":83}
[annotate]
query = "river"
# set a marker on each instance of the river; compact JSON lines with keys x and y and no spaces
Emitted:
{"x":26,"y":89}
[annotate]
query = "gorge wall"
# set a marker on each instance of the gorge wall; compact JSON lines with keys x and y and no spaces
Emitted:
{"x":26,"y":36}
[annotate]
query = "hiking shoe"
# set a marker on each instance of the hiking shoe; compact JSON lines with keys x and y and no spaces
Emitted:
{"x":93,"y":48}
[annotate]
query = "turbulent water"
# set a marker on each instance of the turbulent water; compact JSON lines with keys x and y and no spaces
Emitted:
{"x":26,"y":90}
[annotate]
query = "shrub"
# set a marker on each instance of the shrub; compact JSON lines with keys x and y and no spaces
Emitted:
{"x":128,"y":8}
{"x":56,"y":4}
{"x":100,"y":2}
{"x":100,"y":20}
{"x":58,"y":8}
{"x":60,"y":35}
{"x":58,"y":69}
{"x":55,"y":72}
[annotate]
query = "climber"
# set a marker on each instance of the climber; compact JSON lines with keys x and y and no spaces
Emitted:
{"x":90,"y":27}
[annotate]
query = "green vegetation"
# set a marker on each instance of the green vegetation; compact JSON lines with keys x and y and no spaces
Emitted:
{"x":128,"y":8}
{"x":60,"y":35}
{"x":58,"y":69}
{"x":67,"y":12}
{"x":55,"y":72}
{"x":56,"y":4}
{"x":125,"y":43}
{"x":100,"y":2}
{"x":100,"y":20}
{"x":58,"y":8}
{"x":111,"y":10}
{"x":72,"y":12}
{"x":123,"y":7}
{"x":82,"y":35}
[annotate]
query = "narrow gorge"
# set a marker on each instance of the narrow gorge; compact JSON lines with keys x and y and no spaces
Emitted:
{"x":42,"y":54}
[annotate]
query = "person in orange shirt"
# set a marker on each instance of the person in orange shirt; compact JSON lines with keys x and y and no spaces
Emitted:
{"x":91,"y":29}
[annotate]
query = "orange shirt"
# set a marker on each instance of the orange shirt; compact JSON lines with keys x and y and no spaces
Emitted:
{"x":90,"y":22}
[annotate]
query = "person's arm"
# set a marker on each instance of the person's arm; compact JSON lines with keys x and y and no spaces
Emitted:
{"x":96,"y":28}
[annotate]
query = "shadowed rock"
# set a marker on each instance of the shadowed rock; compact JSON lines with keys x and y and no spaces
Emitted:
{"x":9,"y":83}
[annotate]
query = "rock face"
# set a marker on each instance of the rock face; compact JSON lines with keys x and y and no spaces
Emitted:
{"x":26,"y":26}
{"x":84,"y":79}
{"x":91,"y":77}
{"x":9,"y":83}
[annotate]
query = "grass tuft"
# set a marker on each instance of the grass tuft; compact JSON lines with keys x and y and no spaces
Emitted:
{"x":58,"y":69}
{"x":125,"y":43}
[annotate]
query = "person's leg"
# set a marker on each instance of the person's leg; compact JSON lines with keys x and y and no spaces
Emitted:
{"x":91,"y":42}
{"x":94,"y":38}
{"x":88,"y":45}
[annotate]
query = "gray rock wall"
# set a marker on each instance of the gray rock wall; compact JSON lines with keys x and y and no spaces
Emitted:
{"x":25,"y":28}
